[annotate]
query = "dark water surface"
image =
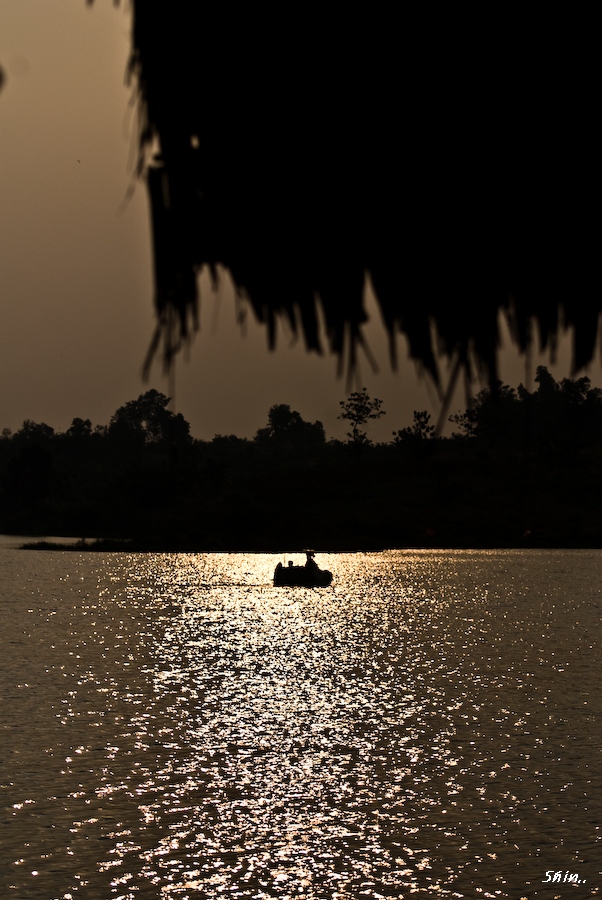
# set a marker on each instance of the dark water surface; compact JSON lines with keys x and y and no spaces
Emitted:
{"x":172,"y":726}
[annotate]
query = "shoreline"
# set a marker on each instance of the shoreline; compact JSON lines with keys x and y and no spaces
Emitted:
{"x":124,"y":545}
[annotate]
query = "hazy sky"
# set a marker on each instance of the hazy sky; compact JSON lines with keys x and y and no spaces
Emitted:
{"x":76,"y":313}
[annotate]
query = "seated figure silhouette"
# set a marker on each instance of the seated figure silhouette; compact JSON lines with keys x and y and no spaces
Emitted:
{"x":310,"y":562}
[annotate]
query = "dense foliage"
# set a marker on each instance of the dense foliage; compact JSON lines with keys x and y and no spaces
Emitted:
{"x":521,"y":469}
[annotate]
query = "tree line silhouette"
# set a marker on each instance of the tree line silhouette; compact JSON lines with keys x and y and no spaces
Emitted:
{"x":520,"y":469}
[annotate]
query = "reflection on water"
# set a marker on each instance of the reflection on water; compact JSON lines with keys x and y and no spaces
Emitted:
{"x":176,"y":727}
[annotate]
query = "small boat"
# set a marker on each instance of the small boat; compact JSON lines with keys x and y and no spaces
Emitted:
{"x":308,"y":575}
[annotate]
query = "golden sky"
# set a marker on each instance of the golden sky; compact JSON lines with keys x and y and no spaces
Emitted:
{"x":75,"y":268}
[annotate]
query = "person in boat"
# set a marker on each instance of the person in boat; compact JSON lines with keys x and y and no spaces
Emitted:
{"x":310,"y":563}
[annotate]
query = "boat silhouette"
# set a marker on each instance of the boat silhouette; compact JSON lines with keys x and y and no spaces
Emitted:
{"x":309,"y":575}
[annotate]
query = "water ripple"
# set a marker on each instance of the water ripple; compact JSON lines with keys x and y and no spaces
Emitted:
{"x":429,"y":725}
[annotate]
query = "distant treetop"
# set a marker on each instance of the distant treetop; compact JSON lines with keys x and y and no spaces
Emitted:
{"x":285,"y":426}
{"x":148,"y":420}
{"x":565,"y":412}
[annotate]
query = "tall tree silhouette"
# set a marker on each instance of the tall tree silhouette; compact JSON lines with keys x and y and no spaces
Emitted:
{"x":358,"y":409}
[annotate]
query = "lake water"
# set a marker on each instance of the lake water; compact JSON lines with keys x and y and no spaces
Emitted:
{"x":173,"y":726}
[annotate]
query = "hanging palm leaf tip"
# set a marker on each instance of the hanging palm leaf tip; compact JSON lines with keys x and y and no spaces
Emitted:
{"x":307,"y":155}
